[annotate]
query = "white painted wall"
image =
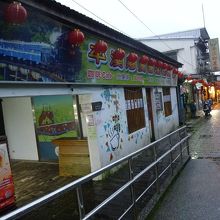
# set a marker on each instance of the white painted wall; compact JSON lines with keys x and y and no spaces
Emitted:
{"x":186,"y":51}
{"x":89,"y":128}
{"x":19,"y":127}
{"x":165,"y":125}
{"x":105,"y":144}
{"x":113,"y":145}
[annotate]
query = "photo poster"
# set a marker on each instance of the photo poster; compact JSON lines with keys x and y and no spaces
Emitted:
{"x":7,"y":192}
{"x":54,"y":118}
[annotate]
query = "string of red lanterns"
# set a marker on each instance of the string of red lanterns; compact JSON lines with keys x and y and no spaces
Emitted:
{"x":202,"y":81}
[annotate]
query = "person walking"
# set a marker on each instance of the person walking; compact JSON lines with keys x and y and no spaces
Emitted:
{"x":193,"y":109}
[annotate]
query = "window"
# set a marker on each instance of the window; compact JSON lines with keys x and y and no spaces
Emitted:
{"x":172,"y":54}
{"x":134,"y":109}
{"x":167,"y":101}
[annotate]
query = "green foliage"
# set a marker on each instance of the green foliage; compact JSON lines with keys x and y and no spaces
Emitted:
{"x":41,"y":37}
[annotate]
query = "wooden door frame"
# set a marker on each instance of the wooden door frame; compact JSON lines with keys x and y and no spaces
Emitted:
{"x":150,"y":113}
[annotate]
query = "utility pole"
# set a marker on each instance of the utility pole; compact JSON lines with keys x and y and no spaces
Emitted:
{"x":203,"y":14}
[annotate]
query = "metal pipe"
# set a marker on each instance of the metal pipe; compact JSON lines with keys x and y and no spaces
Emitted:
{"x":80,"y":202}
{"x":132,"y":188}
{"x":156,"y":169}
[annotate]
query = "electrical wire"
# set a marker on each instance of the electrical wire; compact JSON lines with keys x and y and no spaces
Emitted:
{"x":152,"y":31}
{"x":126,"y":33}
{"x":100,"y":18}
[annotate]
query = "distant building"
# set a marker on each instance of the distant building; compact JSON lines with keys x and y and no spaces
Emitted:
{"x":187,"y":47}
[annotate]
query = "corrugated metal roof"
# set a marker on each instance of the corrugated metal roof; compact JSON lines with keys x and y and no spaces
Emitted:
{"x":71,"y":17}
{"x":189,"y":34}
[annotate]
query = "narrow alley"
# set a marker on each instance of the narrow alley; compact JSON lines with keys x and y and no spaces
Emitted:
{"x":195,"y":194}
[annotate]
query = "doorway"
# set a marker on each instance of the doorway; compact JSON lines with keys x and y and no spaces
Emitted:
{"x":150,"y":114}
{"x":2,"y":125}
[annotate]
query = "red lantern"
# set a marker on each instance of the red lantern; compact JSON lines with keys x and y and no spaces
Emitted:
{"x":144,"y":59}
{"x":152,"y":62}
{"x":194,"y":82}
{"x":156,"y":63}
{"x":170,"y":67}
{"x":180,"y":75}
{"x":166,"y":66}
{"x":159,"y":64}
{"x":175,"y":71}
{"x":100,"y":47}
{"x":189,"y":78}
{"x":132,"y":57}
{"x":119,"y":54}
{"x":15,"y":13}
{"x":76,"y":37}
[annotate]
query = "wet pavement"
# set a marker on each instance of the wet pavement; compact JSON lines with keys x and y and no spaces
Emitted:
{"x":205,"y":141}
{"x":195,"y":194}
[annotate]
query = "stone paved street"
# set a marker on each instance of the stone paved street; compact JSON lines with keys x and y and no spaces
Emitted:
{"x":195,"y":194}
{"x":205,"y":141}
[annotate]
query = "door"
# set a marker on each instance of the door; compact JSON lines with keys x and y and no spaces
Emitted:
{"x":150,"y":114}
{"x":2,"y":125}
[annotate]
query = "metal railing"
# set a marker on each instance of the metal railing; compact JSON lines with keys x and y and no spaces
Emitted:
{"x":177,"y":148}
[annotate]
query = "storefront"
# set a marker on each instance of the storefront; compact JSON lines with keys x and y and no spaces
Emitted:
{"x":77,"y":92}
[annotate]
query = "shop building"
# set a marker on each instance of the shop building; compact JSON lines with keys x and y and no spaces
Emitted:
{"x":76,"y":92}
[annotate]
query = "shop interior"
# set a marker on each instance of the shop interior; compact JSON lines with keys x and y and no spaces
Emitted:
{"x":34,"y":174}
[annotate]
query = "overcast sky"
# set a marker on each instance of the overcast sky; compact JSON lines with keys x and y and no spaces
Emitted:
{"x":159,"y":16}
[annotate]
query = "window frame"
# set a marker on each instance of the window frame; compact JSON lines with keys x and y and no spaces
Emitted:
{"x":134,"y":108}
{"x":167,"y":102}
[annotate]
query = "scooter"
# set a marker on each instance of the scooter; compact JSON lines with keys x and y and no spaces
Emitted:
{"x":206,"y":109}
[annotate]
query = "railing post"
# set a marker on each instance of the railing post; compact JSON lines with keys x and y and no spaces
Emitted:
{"x":181,"y":147}
{"x":187,"y":143}
{"x":171,"y":156}
{"x":181,"y":153}
{"x":156,"y":169}
{"x":131,"y":175}
{"x":80,"y":202}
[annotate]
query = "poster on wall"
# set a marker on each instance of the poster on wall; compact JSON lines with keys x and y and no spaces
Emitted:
{"x":158,"y":101}
{"x":49,"y":51}
{"x":7,"y":196}
{"x":54,"y":118}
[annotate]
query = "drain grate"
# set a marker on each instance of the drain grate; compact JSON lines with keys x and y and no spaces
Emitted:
{"x":206,"y":135}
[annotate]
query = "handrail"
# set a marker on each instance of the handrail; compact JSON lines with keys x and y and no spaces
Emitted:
{"x":77,"y":183}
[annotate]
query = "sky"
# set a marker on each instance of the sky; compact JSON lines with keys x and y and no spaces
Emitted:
{"x":160,"y":16}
